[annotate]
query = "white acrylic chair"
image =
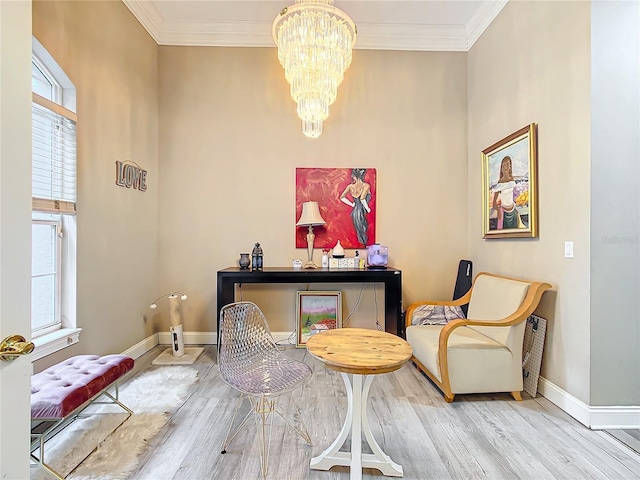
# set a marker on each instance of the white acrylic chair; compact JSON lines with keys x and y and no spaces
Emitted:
{"x":250,"y":362}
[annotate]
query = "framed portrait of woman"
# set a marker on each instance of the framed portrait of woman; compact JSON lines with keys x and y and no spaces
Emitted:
{"x":509,"y":186}
{"x":347,"y":200}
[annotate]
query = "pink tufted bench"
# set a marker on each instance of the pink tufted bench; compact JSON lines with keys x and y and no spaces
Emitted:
{"x":62,"y":391}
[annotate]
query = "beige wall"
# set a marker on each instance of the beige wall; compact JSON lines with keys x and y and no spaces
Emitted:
{"x":533,"y":65}
{"x":230,"y":142}
{"x":112,"y":61}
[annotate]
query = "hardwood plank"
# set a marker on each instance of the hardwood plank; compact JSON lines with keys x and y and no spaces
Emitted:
{"x":630,"y":438}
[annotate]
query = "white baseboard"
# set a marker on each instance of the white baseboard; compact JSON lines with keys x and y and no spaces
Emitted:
{"x":567,"y":402}
{"x":142,"y":347}
{"x":209,"y":338}
{"x":596,"y":418}
{"x":612,"y":418}
{"x":282,"y":336}
{"x":190,"y":338}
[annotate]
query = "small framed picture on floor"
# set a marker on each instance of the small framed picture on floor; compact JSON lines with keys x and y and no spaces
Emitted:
{"x":317,"y":312}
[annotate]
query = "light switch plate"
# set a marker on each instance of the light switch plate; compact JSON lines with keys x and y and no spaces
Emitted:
{"x":568,"y":249}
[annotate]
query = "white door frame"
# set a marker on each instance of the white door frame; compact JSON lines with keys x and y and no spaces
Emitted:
{"x":15,"y":232}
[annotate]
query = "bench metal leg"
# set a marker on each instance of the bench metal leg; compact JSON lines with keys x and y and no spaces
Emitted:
{"x":45,"y":465}
{"x":60,"y":424}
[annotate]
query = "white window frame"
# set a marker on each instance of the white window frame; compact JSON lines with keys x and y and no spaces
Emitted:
{"x":57,"y":321}
{"x":56,"y":88}
{"x":65,"y":333}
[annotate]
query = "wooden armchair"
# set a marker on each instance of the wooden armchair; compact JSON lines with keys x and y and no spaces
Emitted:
{"x":482,"y":353}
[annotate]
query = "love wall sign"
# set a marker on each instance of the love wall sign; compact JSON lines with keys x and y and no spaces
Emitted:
{"x":130,"y":175}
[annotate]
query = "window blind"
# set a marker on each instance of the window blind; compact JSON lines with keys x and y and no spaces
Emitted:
{"x":53,"y":157}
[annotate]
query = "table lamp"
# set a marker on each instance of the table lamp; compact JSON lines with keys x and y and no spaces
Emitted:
{"x":310,"y":217}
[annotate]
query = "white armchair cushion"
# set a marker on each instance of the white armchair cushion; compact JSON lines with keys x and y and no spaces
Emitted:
{"x":424,"y":341}
{"x":477,"y":363}
{"x":494,"y":298}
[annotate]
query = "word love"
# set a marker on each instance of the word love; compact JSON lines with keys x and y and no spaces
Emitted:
{"x":130,"y":175}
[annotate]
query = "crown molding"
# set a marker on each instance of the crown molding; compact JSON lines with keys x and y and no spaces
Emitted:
{"x":377,"y":36}
{"x":371,"y":36}
{"x":482,"y":19}
{"x":219,"y":34}
{"x":148,"y":15}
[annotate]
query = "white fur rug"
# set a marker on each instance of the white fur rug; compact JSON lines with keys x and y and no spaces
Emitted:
{"x":152,"y":396}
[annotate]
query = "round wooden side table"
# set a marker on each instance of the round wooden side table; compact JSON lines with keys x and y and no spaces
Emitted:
{"x":362,"y":353}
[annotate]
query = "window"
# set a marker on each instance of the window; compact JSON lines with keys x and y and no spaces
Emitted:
{"x":53,"y":271}
{"x":45,"y":276}
{"x":40,"y":82}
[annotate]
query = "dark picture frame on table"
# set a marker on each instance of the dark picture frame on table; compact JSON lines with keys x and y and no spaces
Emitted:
{"x":317,"y":312}
{"x":510,"y":186}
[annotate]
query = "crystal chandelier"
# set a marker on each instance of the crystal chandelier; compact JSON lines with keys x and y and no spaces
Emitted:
{"x":314,"y":41}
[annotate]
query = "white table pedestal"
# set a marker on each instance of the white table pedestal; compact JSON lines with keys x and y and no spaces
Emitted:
{"x":356,"y":421}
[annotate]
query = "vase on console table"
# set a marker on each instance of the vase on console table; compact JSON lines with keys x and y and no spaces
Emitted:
{"x":244,"y":261}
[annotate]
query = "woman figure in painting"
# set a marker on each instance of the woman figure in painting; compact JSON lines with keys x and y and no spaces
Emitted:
{"x":503,"y":201}
{"x":360,"y":193}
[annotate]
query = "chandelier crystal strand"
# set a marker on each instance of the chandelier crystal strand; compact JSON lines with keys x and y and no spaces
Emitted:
{"x":314,"y":40}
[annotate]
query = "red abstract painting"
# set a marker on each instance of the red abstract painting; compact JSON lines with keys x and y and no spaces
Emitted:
{"x":347,"y":201}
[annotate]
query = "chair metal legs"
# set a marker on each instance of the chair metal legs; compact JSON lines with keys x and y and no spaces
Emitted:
{"x":231,"y":436}
{"x":262,"y":409}
{"x":302,"y":429}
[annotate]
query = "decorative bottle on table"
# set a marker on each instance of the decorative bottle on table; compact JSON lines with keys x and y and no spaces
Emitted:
{"x":325,"y":258}
{"x":256,"y":258}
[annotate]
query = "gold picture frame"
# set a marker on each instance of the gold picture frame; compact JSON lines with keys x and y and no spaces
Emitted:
{"x":317,"y":312}
{"x":510,"y":186}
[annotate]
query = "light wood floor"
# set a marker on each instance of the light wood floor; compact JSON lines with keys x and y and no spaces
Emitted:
{"x":477,"y":437}
{"x":631,"y":438}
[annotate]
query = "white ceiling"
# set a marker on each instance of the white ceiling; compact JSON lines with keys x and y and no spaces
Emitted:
{"x":442,"y":25}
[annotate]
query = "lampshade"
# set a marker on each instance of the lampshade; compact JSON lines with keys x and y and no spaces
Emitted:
{"x":310,"y":215}
{"x":314,"y":40}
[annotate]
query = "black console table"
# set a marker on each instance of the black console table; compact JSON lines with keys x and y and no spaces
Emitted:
{"x":392,"y":279}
